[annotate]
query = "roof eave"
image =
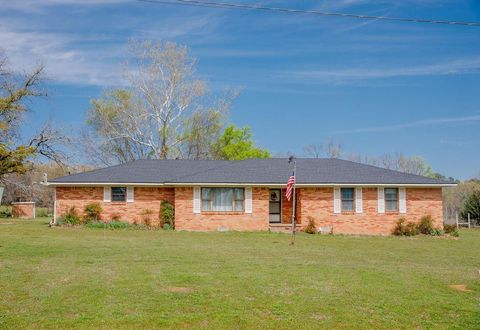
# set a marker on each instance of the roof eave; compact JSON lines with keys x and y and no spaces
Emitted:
{"x":249,"y":184}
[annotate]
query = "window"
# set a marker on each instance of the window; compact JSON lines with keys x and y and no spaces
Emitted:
{"x":119,"y":194}
{"x":223,"y":199}
{"x":348,"y":195}
{"x":391,"y":199}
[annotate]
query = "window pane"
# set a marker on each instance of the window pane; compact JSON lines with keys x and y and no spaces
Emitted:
{"x":347,"y":193}
{"x":391,"y":205}
{"x":347,"y":199}
{"x":391,"y":194}
{"x":222,"y":199}
{"x":274,"y":207}
{"x":239,"y":194}
{"x":206,"y":206}
{"x":238,"y":205}
{"x":347,"y":205}
{"x":206,"y":193}
{"x":119,"y":194}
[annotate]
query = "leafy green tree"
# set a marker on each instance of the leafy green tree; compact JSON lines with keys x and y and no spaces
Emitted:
{"x":237,"y":144}
{"x":472,"y":206}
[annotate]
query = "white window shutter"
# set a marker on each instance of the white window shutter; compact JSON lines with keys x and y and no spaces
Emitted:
{"x":130,"y":197}
{"x":358,"y":200}
{"x":381,"y":200}
{"x":196,"y":200}
{"x":402,"y":200}
{"x":107,"y":194}
{"x":248,"y":200}
{"x":336,"y":200}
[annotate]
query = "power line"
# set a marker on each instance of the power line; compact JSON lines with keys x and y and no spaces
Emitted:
{"x":198,"y":3}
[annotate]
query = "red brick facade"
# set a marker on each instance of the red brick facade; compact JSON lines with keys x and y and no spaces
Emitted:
{"x":146,"y":202}
{"x":316,"y":203}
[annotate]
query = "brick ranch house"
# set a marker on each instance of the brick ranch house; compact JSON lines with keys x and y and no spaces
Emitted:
{"x":249,"y":195}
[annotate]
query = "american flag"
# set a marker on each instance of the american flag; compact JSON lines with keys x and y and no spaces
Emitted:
{"x":290,"y":184}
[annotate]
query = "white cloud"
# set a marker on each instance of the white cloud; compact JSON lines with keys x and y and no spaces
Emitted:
{"x":37,"y":5}
{"x":452,"y":67}
{"x":92,"y":59}
{"x":418,"y":123}
{"x":64,"y":62}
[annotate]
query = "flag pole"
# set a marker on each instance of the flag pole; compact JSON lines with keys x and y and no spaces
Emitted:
{"x":294,"y":198}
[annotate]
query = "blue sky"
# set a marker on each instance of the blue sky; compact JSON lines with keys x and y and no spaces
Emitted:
{"x":376,"y":87}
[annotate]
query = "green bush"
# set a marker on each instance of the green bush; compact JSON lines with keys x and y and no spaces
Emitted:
{"x":71,"y":217}
{"x":167,"y":226}
{"x":93,"y":211}
{"x":455,"y":233}
{"x":5,"y":211}
{"x":167,"y":214}
{"x":109,"y":225}
{"x":311,"y":228}
{"x":404,"y":228}
{"x":437,"y":232}
{"x":472,"y":206}
{"x":449,"y":228}
{"x":426,"y":225}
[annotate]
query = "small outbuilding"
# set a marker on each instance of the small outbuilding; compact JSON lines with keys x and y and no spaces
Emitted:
{"x":23,"y":210}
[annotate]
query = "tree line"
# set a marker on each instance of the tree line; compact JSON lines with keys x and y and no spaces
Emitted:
{"x":164,"y":110}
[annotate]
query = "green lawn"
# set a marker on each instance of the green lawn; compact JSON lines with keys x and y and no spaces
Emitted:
{"x":91,"y":278}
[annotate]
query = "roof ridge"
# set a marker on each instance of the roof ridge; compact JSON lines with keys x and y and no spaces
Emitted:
{"x":229,"y":162}
{"x":389,"y":169}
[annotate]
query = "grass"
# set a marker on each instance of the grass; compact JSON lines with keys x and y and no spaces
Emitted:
{"x":94,"y":278}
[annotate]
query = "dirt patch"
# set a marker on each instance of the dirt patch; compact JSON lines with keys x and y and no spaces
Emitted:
{"x":460,"y":287}
{"x":178,"y":289}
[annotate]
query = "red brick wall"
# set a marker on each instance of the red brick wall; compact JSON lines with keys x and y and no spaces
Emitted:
{"x":145,"y":198}
{"x":318,"y":204}
{"x":185,"y":219}
{"x":312,"y":202}
{"x":287,"y":207}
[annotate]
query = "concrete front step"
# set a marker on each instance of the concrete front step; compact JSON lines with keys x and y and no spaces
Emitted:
{"x":282,"y":228}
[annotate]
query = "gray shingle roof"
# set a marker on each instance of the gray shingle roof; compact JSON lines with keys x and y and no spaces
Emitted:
{"x":251,"y":171}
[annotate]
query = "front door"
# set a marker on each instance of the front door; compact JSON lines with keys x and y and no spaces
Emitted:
{"x":275,"y":206}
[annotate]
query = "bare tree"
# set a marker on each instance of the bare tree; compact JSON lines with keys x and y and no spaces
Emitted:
{"x":147,"y":119}
{"x":313,"y":150}
{"x":329,"y":149}
{"x":334,"y":150}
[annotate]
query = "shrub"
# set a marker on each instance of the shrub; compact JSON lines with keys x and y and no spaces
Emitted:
{"x":167,"y":226}
{"x":5,"y":212}
{"x":437,"y":232}
{"x":472,"y":206}
{"x":455,"y":233}
{"x":411,"y":229}
{"x":71,"y":217}
{"x":167,"y":214}
{"x":311,"y":228}
{"x":404,"y":228}
{"x":449,"y":228}
{"x":93,"y":211}
{"x":426,"y":225}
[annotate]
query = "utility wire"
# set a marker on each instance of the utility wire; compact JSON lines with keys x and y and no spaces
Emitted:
{"x":212,"y":4}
